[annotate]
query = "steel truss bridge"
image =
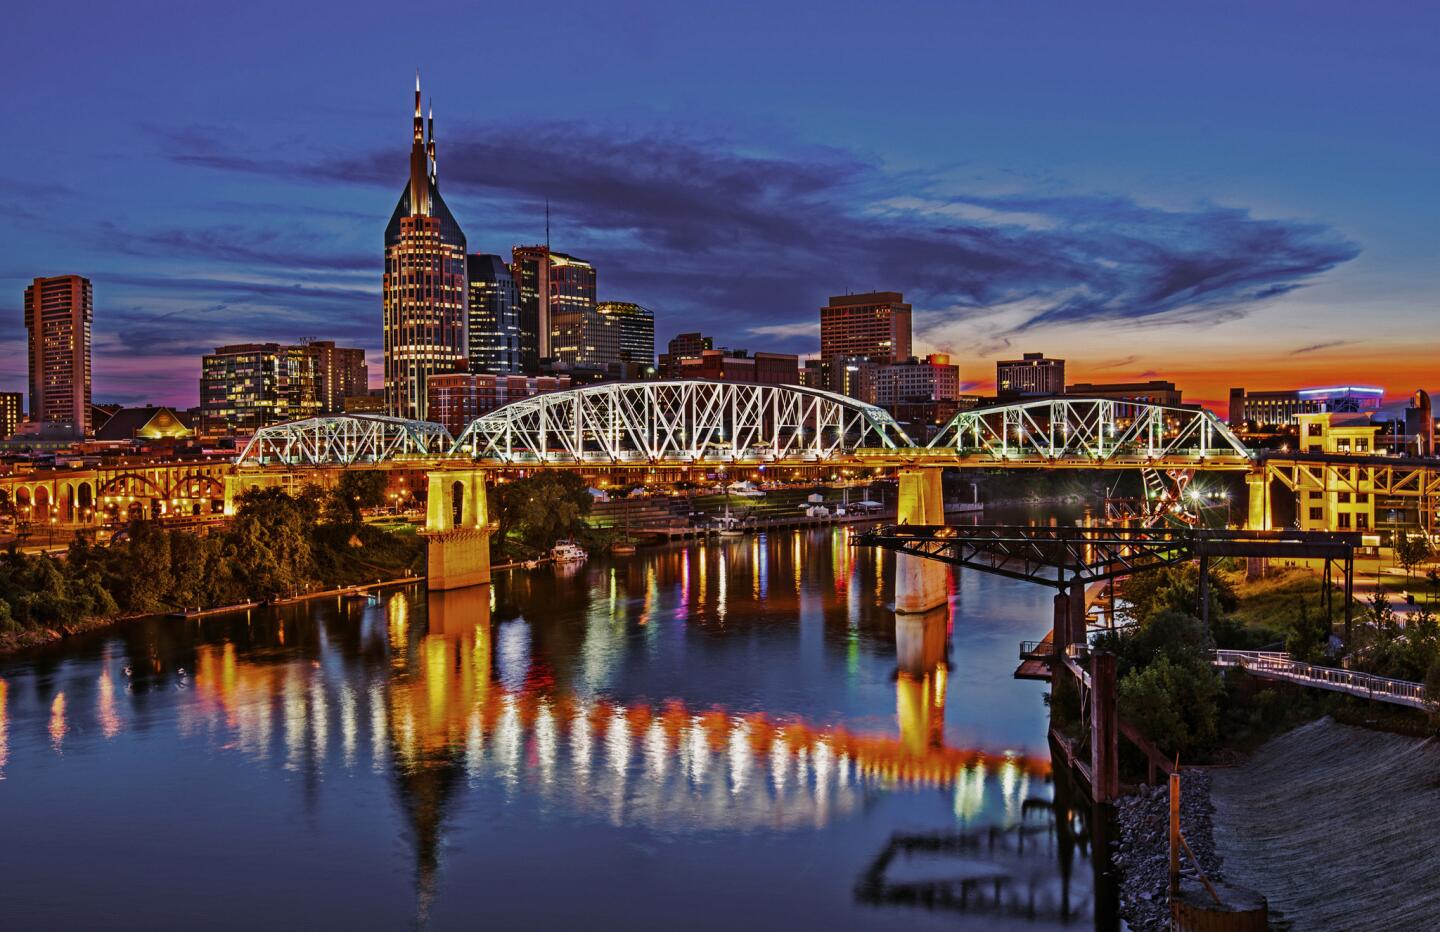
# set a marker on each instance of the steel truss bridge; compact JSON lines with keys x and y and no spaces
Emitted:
{"x":345,"y":441}
{"x":684,"y":422}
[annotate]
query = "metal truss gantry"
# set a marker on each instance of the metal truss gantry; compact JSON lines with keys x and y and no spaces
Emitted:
{"x":1090,"y":430}
{"x":1060,"y":556}
{"x":680,"y":421}
{"x":344,"y":440}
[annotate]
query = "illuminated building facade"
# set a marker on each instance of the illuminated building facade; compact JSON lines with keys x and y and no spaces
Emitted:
{"x":339,"y":373}
{"x":246,"y":386}
{"x":1033,"y":375}
{"x":1283,"y":408}
{"x":548,"y":282}
{"x":425,"y":283}
{"x":456,"y":400}
{"x":12,"y":412}
{"x":637,"y":330}
{"x":873,"y":326}
{"x":934,"y":378}
{"x":494,"y":315}
{"x":58,"y":313}
{"x":583,"y":337}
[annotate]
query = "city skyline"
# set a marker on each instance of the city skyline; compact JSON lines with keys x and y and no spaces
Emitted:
{"x":1144,"y":223}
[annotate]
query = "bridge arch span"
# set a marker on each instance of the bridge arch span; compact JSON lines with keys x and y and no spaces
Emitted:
{"x":679,"y":420}
{"x":1090,"y":430}
{"x":344,"y":440}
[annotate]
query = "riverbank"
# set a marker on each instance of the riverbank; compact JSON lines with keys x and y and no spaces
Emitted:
{"x":1334,"y":823}
{"x":29,"y":638}
{"x":1142,"y":855}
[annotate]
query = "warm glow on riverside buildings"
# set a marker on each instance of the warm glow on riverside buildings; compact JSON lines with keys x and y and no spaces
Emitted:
{"x":425,"y":283}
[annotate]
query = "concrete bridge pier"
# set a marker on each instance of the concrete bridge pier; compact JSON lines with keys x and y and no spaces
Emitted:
{"x":457,"y":525}
{"x":920,"y":584}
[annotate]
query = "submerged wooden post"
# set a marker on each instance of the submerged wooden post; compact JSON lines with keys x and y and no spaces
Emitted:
{"x":1174,"y":832}
{"x":1104,"y":729}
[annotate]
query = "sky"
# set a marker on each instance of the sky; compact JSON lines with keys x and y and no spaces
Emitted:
{"x":1219,"y":194}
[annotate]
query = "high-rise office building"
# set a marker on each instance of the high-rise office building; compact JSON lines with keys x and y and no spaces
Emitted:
{"x":339,"y":373}
{"x":424,"y":284}
{"x":12,"y":412}
{"x":873,"y":326}
{"x":548,"y":282}
{"x":246,"y":386}
{"x":637,"y":330}
{"x":494,"y":315}
{"x":1033,"y":375}
{"x":58,"y":313}
{"x":582,"y":337}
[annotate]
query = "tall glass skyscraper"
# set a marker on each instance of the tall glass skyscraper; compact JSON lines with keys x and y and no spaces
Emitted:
{"x":549,"y":283}
{"x":425,"y":282}
{"x":494,"y":316}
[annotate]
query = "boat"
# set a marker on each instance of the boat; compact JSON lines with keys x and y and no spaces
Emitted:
{"x":622,"y":548}
{"x":567,"y":551}
{"x":728,"y":525}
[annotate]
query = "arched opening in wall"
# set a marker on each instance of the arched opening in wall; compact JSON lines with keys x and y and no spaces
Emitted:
{"x":457,"y":503}
{"x":85,"y":501}
{"x":42,"y":505}
{"x":24,"y":505}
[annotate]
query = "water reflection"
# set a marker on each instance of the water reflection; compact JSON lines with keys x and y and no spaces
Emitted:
{"x":735,"y":688}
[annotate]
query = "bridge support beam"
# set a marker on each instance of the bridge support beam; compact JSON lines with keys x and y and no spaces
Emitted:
{"x":920,"y":584}
{"x":1104,"y":730}
{"x":1258,"y":517}
{"x":458,"y":528}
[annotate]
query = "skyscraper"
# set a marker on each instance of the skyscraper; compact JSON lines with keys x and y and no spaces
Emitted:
{"x":494,"y":316}
{"x":582,"y":337}
{"x":548,"y":282}
{"x":873,"y":326}
{"x":340,"y":372}
{"x":425,"y":284}
{"x":637,"y":330}
{"x":58,"y":313}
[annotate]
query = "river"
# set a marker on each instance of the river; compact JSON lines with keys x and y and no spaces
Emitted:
{"x":706,"y":735}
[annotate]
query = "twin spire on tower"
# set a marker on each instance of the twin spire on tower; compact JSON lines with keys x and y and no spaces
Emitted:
{"x":423,"y":171}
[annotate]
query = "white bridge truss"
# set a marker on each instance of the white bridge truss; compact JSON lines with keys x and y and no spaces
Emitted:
{"x":1095,"y":429}
{"x":344,"y":440}
{"x":686,"y":421}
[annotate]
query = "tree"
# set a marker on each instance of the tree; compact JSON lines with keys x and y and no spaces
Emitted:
{"x":1308,"y":638}
{"x":357,"y":490}
{"x":1411,"y":550}
{"x":270,"y":538}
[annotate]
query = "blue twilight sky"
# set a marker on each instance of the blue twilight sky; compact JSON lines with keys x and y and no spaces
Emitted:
{"x":1219,"y":193}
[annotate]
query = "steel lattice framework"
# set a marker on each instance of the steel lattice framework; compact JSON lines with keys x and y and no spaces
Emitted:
{"x":684,"y":421}
{"x":1097,"y":430}
{"x":343,"y":441}
{"x":1059,"y":555}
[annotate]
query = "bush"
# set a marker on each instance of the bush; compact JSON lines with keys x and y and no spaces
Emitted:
{"x":1175,"y":703}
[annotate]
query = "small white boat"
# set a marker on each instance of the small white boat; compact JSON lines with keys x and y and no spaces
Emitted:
{"x":567,"y":551}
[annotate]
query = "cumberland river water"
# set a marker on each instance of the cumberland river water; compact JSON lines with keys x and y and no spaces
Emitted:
{"x":703,"y":735}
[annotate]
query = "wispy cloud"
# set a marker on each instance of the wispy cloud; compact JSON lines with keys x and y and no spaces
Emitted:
{"x":1317,"y":347}
{"x":752,"y":241}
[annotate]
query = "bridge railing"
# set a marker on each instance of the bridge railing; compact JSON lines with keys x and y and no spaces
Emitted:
{"x":1368,"y":685}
